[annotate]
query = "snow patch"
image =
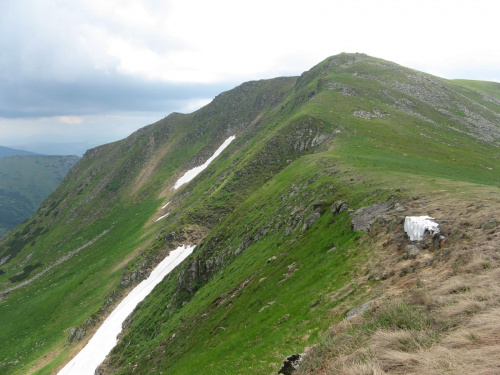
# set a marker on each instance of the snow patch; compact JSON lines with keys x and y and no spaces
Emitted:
{"x":161,"y":217}
{"x":105,"y":338}
{"x":415,"y":227}
{"x":192,"y":173}
{"x":166,"y":205}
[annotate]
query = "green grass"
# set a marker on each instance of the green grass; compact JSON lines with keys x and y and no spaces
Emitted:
{"x":486,"y":87}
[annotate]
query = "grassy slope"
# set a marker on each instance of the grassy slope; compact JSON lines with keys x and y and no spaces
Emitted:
{"x":486,"y":87}
{"x":25,"y":181}
{"x":105,"y":207}
{"x":223,"y":328}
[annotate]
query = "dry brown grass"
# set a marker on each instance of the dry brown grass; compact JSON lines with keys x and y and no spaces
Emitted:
{"x":457,"y":287}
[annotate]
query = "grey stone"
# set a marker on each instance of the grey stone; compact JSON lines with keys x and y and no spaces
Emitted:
{"x":291,"y":363}
{"x":412,"y":251}
{"x":338,"y":207}
{"x":310,"y":221}
{"x":365,"y":216}
{"x":359,"y":309}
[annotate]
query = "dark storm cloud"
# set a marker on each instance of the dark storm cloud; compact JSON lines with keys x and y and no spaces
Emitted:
{"x":97,"y":95}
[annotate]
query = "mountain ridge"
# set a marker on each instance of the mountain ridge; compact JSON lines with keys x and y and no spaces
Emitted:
{"x":353,"y":129}
{"x":7,"y":151}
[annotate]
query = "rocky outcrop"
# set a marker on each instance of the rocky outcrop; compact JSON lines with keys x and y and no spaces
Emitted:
{"x":339,"y":207}
{"x":291,"y":364}
{"x":366,"y":216}
{"x":78,"y":333}
{"x":375,"y":113}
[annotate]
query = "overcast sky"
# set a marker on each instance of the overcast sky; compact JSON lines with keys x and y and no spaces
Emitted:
{"x":97,"y":70}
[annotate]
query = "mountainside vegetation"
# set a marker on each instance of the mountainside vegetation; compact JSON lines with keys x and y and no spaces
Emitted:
{"x":297,"y":223}
{"x":25,"y":181}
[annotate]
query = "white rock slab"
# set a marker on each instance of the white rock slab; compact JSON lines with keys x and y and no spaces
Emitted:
{"x":415,"y":227}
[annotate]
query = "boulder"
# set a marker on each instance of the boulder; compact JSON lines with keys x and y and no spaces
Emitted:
{"x":338,"y":207}
{"x":412,"y":251}
{"x":291,"y":364}
{"x":365,"y":216}
{"x":310,"y":221}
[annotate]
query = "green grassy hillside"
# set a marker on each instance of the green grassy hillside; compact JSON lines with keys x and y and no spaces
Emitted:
{"x":277,"y":256}
{"x":25,"y":181}
{"x":489,"y":88}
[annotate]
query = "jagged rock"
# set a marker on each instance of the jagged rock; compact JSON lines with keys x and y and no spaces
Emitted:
{"x":310,"y":221}
{"x":247,"y":241}
{"x":359,"y":309}
{"x":412,"y":251}
{"x":365,"y":216}
{"x":76,"y":334}
{"x":291,"y":363}
{"x":294,"y":222}
{"x":399,"y":208}
{"x":338,"y":207}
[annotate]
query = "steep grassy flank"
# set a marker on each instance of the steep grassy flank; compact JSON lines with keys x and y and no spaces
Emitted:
{"x":25,"y":181}
{"x":100,"y":218}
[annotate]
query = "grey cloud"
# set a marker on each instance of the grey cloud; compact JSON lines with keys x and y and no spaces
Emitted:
{"x":97,"y":95}
{"x":47,"y":68}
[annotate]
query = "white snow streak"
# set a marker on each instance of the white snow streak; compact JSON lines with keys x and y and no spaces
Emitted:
{"x":166,"y":205}
{"x":415,"y":226}
{"x":161,"y":217}
{"x":192,"y":173}
{"x":105,"y":338}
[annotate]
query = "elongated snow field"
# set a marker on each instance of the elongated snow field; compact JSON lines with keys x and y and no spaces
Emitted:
{"x":105,"y":338}
{"x":192,"y":173}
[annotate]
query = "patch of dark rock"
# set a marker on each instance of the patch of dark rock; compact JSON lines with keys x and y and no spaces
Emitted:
{"x":412,"y":251}
{"x":338,"y":207}
{"x":309,"y":221}
{"x":291,"y":364}
{"x":247,"y":241}
{"x":365,"y":216}
{"x":76,"y":334}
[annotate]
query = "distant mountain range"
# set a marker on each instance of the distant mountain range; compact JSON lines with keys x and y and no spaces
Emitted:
{"x":55,"y":148}
{"x":6,"y":152}
{"x":25,"y":181}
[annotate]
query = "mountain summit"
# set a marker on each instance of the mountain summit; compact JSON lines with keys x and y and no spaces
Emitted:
{"x":298,"y":227}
